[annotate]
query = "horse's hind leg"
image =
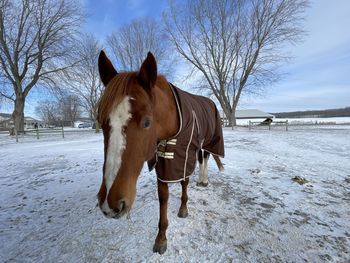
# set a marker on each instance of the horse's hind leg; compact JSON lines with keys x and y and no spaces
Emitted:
{"x":183,"y":212}
{"x":160,"y":244}
{"x":203,"y":169}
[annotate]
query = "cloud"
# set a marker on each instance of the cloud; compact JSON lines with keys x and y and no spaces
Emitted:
{"x":319,"y":76}
{"x":135,"y":4}
{"x":307,"y":98}
{"x":327,"y":25}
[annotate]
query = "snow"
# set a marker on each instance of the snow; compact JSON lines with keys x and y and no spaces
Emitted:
{"x":300,"y":121}
{"x":331,"y":120}
{"x":251,"y":212}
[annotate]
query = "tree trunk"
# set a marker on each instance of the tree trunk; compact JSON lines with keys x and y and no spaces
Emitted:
{"x":232,"y":119}
{"x":93,"y":116}
{"x":97,"y":126}
{"x":233,"y":110}
{"x":18,"y":113}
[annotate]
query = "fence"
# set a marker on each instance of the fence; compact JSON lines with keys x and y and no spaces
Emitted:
{"x":39,"y":133}
{"x":270,"y":124}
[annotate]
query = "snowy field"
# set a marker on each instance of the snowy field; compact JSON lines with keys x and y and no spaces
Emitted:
{"x":251,"y":212}
{"x":302,"y":121}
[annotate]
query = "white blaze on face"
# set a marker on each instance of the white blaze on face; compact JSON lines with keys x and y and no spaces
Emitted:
{"x":118,"y":118}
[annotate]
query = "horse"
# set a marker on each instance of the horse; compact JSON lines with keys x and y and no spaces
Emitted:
{"x":146,"y":119}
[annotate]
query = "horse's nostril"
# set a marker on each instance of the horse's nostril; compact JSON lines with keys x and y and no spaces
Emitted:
{"x":105,"y":213}
{"x":120,"y":208}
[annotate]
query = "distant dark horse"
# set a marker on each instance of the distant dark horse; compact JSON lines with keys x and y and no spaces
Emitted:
{"x":144,"y":118}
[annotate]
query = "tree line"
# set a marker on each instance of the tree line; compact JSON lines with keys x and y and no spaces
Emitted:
{"x":234,"y":46}
{"x":341,"y":112}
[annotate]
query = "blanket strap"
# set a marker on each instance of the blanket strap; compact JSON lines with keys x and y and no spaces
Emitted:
{"x":161,"y":148}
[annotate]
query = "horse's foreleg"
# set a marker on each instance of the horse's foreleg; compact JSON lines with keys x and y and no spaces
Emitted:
{"x":183,"y":212}
{"x":160,"y":244}
{"x":203,"y":170}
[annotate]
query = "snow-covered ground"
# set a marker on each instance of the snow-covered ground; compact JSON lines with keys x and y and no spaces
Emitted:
{"x":251,"y":212}
{"x":301,"y":121}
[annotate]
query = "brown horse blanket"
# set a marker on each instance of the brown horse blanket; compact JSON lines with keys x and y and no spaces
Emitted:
{"x":200,"y":128}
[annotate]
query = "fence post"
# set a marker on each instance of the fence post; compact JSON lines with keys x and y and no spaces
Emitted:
{"x":269,"y":126}
{"x":62,"y":132}
{"x":249,"y":125}
{"x":286,"y":125}
{"x":37,"y":133}
{"x":16,"y":135}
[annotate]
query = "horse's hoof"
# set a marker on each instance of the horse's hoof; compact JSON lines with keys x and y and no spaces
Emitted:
{"x":182,"y":213}
{"x":160,"y":248}
{"x":201,"y":184}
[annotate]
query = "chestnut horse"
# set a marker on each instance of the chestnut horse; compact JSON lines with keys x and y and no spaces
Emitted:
{"x":137,"y":111}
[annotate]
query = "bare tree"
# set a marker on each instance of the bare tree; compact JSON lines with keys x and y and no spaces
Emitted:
{"x":235,"y":44}
{"x":48,"y":112}
{"x":69,"y":108}
{"x":64,"y":110}
{"x":37,"y":41}
{"x":131,"y":42}
{"x":87,"y":84}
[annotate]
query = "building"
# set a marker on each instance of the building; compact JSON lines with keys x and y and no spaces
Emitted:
{"x":253,"y":114}
{"x":244,"y":116}
{"x":31,"y":123}
{"x":7,"y":123}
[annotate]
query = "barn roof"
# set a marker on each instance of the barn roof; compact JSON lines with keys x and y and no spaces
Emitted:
{"x":28,"y":118}
{"x":252,"y":113}
{"x":6,"y":115}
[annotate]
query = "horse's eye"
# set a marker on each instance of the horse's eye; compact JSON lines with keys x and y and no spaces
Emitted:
{"x":146,"y":123}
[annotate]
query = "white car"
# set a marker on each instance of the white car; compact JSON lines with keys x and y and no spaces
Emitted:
{"x":84,"y":125}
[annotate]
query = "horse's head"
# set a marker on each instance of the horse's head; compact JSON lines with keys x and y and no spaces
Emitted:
{"x":126,"y":115}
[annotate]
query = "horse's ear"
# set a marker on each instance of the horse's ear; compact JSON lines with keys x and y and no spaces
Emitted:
{"x":147,"y":75}
{"x":105,"y":68}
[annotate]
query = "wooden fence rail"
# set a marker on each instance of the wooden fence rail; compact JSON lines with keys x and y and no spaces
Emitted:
{"x":42,"y":132}
{"x":37,"y":132}
{"x":251,"y":124}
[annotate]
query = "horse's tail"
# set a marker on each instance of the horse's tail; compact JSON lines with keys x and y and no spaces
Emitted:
{"x":218,"y":162}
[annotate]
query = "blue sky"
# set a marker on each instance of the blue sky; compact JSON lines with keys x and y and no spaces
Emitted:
{"x":319,"y":75}
{"x":105,"y":16}
{"x":317,"y":78}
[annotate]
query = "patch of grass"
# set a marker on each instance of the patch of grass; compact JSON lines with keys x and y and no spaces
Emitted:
{"x":300,"y":180}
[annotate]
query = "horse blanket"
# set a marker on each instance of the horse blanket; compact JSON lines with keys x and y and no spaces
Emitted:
{"x":200,"y":129}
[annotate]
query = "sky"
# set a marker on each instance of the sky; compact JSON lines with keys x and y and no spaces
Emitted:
{"x":105,"y":16}
{"x":318,"y":76}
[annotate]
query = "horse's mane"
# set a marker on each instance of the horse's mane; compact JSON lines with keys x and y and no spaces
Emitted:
{"x":113,"y":95}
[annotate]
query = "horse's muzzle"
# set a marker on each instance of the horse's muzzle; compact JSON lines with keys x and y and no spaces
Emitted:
{"x":118,"y":212}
